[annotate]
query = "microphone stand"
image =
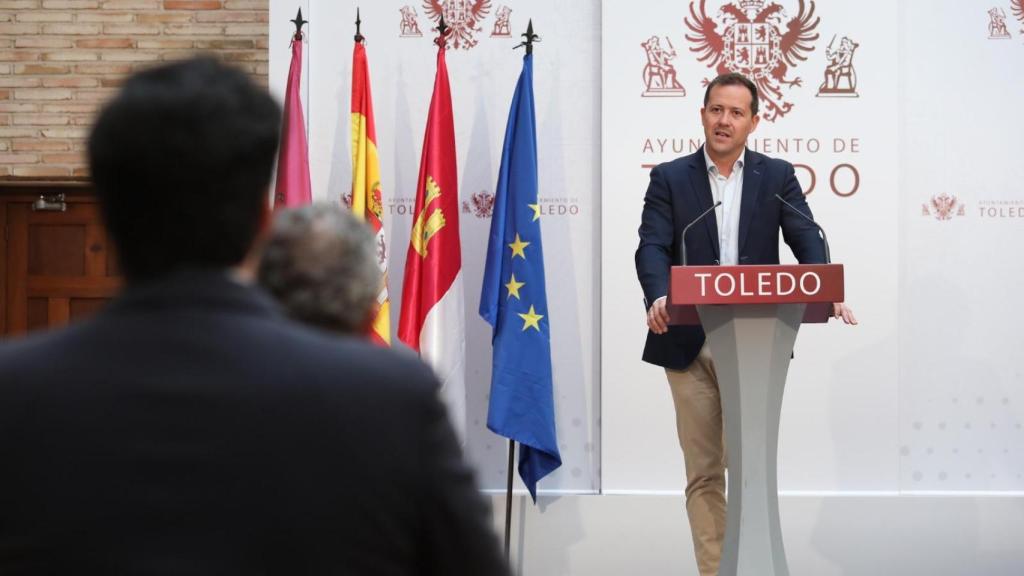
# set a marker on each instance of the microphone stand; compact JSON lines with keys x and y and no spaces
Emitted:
{"x":682,"y":237}
{"x":824,"y":238}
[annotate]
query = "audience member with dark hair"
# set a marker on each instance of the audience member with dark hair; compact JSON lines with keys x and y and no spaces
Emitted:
{"x":320,"y":263}
{"x":190,"y":428}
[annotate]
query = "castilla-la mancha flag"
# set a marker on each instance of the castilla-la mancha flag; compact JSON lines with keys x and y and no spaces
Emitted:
{"x":366,"y":188}
{"x":293,"y":188}
{"x":432,"y":321}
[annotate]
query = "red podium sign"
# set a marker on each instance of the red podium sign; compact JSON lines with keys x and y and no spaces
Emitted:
{"x":817,"y":285}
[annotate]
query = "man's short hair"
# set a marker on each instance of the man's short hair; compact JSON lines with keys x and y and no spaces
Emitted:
{"x":320,"y":263}
{"x":734,"y":79}
{"x":181,"y":159}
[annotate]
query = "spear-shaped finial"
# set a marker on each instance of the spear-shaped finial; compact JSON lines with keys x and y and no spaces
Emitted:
{"x":529,"y":38}
{"x":359,"y":35}
{"x":442,"y":32}
{"x":299,"y":22}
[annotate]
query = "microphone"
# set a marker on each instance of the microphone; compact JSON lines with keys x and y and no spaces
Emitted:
{"x":828,"y":257}
{"x":682,"y":237}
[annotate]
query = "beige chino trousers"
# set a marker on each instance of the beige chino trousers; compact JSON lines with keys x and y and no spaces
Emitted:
{"x":699,"y":425}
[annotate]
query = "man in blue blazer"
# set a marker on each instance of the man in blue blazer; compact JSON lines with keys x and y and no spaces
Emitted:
{"x":743,"y":230}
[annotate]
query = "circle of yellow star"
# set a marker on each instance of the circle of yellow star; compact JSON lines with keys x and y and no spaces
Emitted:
{"x":531,"y":319}
{"x":518,"y":247}
{"x":536,"y":211}
{"x":513,"y":287}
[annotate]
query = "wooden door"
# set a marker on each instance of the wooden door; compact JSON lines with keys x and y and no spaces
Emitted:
{"x":60,"y":265}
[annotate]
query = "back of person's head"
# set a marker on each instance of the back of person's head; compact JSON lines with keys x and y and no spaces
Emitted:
{"x":320,"y":263}
{"x":181,"y":159}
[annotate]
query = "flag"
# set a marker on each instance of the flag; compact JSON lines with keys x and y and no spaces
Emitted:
{"x":366,"y":189}
{"x":432,"y":320}
{"x":513,"y":299}
{"x":293,"y":187}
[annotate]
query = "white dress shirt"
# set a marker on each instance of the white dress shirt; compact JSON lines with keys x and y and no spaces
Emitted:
{"x":730,"y":192}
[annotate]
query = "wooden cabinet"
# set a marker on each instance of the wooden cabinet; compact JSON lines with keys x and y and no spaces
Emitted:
{"x":57,"y":263}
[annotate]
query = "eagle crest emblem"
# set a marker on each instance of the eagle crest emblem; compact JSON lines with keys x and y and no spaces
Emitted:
{"x":759,"y":41}
{"x":480,"y":205}
{"x":944,"y":207}
{"x":462,"y":16}
{"x":1018,"y":11}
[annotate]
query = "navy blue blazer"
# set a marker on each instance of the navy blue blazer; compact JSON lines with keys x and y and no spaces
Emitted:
{"x":190,"y":429}
{"x":679,"y":191}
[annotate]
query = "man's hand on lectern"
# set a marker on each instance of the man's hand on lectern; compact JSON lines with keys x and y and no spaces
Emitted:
{"x":840,"y":310}
{"x":657,"y":316}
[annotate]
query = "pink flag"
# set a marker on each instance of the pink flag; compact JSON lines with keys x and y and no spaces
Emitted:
{"x":293,"y":187}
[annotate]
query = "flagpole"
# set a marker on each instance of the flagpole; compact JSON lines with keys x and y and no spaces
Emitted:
{"x":508,"y":497}
{"x":359,"y":36}
{"x":442,"y":33}
{"x":530,"y":38}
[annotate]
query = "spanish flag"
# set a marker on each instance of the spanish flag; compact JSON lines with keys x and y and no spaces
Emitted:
{"x":366,"y":193}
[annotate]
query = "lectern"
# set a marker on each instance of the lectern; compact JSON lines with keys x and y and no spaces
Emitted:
{"x":751,"y":315}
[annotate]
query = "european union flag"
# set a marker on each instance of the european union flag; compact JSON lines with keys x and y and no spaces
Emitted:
{"x":514,"y":302}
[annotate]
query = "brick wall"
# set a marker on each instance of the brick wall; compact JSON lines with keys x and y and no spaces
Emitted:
{"x":60,"y":59}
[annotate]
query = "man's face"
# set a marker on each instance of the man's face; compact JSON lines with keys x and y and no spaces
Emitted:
{"x":727,"y":120}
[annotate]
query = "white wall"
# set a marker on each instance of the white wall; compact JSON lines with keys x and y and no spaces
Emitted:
{"x":961,"y":405}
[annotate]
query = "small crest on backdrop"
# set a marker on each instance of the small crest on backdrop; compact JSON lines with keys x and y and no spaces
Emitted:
{"x":997,"y":24}
{"x":502,"y":24}
{"x":659,"y":74}
{"x":944,"y":207}
{"x":409,"y":27}
{"x":840,"y":75}
{"x":480,"y":204}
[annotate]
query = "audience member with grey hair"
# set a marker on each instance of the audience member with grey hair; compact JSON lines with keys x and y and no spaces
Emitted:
{"x":320,"y":263}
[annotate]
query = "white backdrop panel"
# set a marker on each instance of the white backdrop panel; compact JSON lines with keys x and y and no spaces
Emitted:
{"x":567,"y":90}
{"x":839,"y":417}
{"x":922,"y":396}
{"x":960,"y":346}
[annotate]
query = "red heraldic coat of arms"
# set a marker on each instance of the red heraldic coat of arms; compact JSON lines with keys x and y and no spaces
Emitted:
{"x":462,"y":16}
{"x":758,"y":41}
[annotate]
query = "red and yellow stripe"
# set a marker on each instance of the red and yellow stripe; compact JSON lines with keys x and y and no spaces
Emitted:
{"x":366,"y":189}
